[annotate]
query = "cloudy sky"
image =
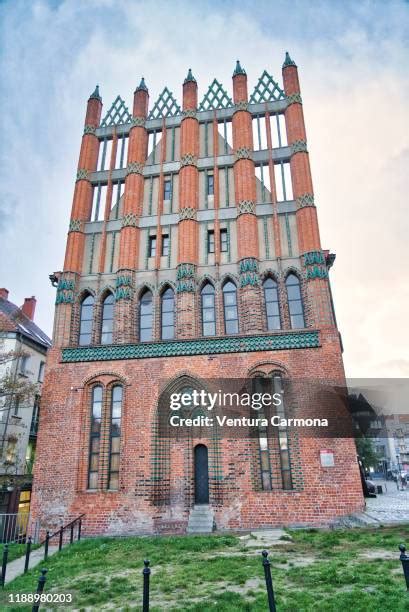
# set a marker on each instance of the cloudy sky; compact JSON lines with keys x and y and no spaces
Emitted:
{"x":353,"y":62}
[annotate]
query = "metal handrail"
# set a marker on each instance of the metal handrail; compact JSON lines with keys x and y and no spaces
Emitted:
{"x":62,"y":528}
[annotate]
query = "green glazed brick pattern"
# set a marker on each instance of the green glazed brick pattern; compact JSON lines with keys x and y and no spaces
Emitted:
{"x":208,"y":346}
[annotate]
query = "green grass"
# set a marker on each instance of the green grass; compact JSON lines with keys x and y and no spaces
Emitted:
{"x":15,"y":551}
{"x":317,"y":570}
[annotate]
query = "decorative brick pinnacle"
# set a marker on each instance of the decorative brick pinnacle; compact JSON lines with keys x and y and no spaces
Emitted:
{"x":130,"y":220}
{"x":299,"y":146}
{"x":142,"y":86}
{"x":243,"y":153}
{"x":82,"y":175}
{"x":187,"y":213}
{"x":246,"y":206}
{"x":238,"y":69}
{"x":288,"y":61}
{"x":188,"y":160}
{"x":138,"y":121}
{"x":89,"y":129}
{"x":75,"y":225}
{"x":95,"y":94}
{"x":134,"y":168}
{"x":190,"y":78}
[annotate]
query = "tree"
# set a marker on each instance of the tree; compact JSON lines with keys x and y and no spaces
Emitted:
{"x":367,"y":452}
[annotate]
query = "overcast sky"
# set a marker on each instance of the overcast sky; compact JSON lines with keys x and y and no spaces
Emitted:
{"x":353,"y":65}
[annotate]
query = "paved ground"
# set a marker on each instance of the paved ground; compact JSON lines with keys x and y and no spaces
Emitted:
{"x":16,"y":568}
{"x":391,"y":507}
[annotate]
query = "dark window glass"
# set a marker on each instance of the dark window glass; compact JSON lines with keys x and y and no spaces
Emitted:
{"x":168,"y":315}
{"x":210,"y":184}
{"x":95,"y":433}
{"x":86,"y":314}
{"x":115,"y":433}
{"x":165,"y":245}
{"x":224,"y":245}
{"x":295,"y":305}
{"x":167,"y":189}
{"x":152,"y":246}
{"x":210,"y":241}
{"x":231,"y":318}
{"x":272,"y":305}
{"x":107,"y":326}
{"x":208,"y":310}
{"x":145,"y":317}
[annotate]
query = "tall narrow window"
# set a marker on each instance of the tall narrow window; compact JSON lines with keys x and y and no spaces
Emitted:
{"x":231,"y":317}
{"x":224,"y":241}
{"x":96,"y":413}
{"x":295,"y":305}
{"x":152,"y":246}
{"x":146,"y":317}
{"x":285,"y":463}
{"x":167,"y":189}
{"x":263,"y":385}
{"x":210,"y":241}
{"x":272,"y":304}
{"x":115,"y":437}
{"x":210,"y":185}
{"x":168,"y":315}
{"x":107,"y":326}
{"x":87,"y":308}
{"x":165,"y":245}
{"x":208,"y":310}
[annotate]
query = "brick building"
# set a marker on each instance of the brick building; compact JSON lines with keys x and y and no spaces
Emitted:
{"x":193,"y":253}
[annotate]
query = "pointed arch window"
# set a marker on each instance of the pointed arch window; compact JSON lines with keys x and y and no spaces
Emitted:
{"x":95,"y":436}
{"x":208,"y":310}
{"x":270,"y":288}
{"x":231,"y":317}
{"x":115,"y":437}
{"x":295,"y":305}
{"x":86,"y":315}
{"x":146,"y":316}
{"x":168,"y":315}
{"x":107,"y":326}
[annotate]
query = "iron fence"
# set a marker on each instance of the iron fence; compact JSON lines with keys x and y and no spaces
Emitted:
{"x":13,"y":527}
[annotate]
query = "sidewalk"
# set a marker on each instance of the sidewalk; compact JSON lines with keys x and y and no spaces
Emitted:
{"x":390,"y":508}
{"x":16,"y":568}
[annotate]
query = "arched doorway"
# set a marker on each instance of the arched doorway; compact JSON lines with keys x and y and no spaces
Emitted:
{"x":201,"y":474}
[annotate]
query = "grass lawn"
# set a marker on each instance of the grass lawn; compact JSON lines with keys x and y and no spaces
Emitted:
{"x":334,"y":570}
{"x":15,"y":551}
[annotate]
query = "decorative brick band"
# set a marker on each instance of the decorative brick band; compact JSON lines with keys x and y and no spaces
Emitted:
{"x":134,"y":168}
{"x":138,"y":121}
{"x":246,"y":206}
{"x":186,"y":278}
{"x":187,"y":213}
{"x":75,"y":225}
{"x":82,"y":175}
{"x":188,"y":160}
{"x":294,"y":99}
{"x":307,"y":199}
{"x":204,"y":346}
{"x":65,"y":291}
{"x":248,"y":269}
{"x":315,"y":266}
{"x":299,"y":146}
{"x":90,"y":129}
{"x":189,"y":113}
{"x":243,"y":153}
{"x":130,"y":220}
{"x":123,"y":289}
{"x":241,"y":106}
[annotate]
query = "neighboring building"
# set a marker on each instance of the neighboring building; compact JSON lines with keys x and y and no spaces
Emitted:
{"x":193,"y":252}
{"x":23,"y":350}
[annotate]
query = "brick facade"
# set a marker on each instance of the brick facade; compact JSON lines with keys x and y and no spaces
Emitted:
{"x":156,"y":487}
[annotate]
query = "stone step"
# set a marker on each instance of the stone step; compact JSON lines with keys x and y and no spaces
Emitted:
{"x":201,"y":519}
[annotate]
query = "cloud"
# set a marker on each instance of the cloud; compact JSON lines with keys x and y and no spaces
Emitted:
{"x":355,"y":86}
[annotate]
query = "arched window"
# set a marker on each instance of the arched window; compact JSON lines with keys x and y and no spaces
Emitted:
{"x":295,"y":305}
{"x":115,"y":437}
{"x":146,"y":316}
{"x":272,"y":305}
{"x":87,"y":307}
{"x":208,"y":310}
{"x":95,"y":435}
{"x":231,"y":317}
{"x":168,"y":315}
{"x":107,"y":325}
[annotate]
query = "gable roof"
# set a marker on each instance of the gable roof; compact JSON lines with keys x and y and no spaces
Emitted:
{"x":12,"y":319}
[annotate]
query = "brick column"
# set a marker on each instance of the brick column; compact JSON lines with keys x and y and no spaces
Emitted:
{"x":188,"y":231}
{"x":251,"y":319}
{"x":125,"y":329}
{"x":80,"y":213}
{"x":319,"y":311}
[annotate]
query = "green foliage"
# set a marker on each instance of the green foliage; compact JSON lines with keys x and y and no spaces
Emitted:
{"x":367,"y":452}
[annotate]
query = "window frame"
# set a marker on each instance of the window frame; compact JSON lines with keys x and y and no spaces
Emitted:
{"x":116,"y":453}
{"x":291,"y":301}
{"x":163,"y":299}
{"x":91,"y":305}
{"x":144,"y":316}
{"x":95,"y":435}
{"x":104,"y":319}
{"x":204,"y":308}
{"x":226,"y":306}
{"x":273,"y":287}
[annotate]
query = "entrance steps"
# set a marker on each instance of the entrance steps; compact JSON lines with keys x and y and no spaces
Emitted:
{"x":201,"y":519}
